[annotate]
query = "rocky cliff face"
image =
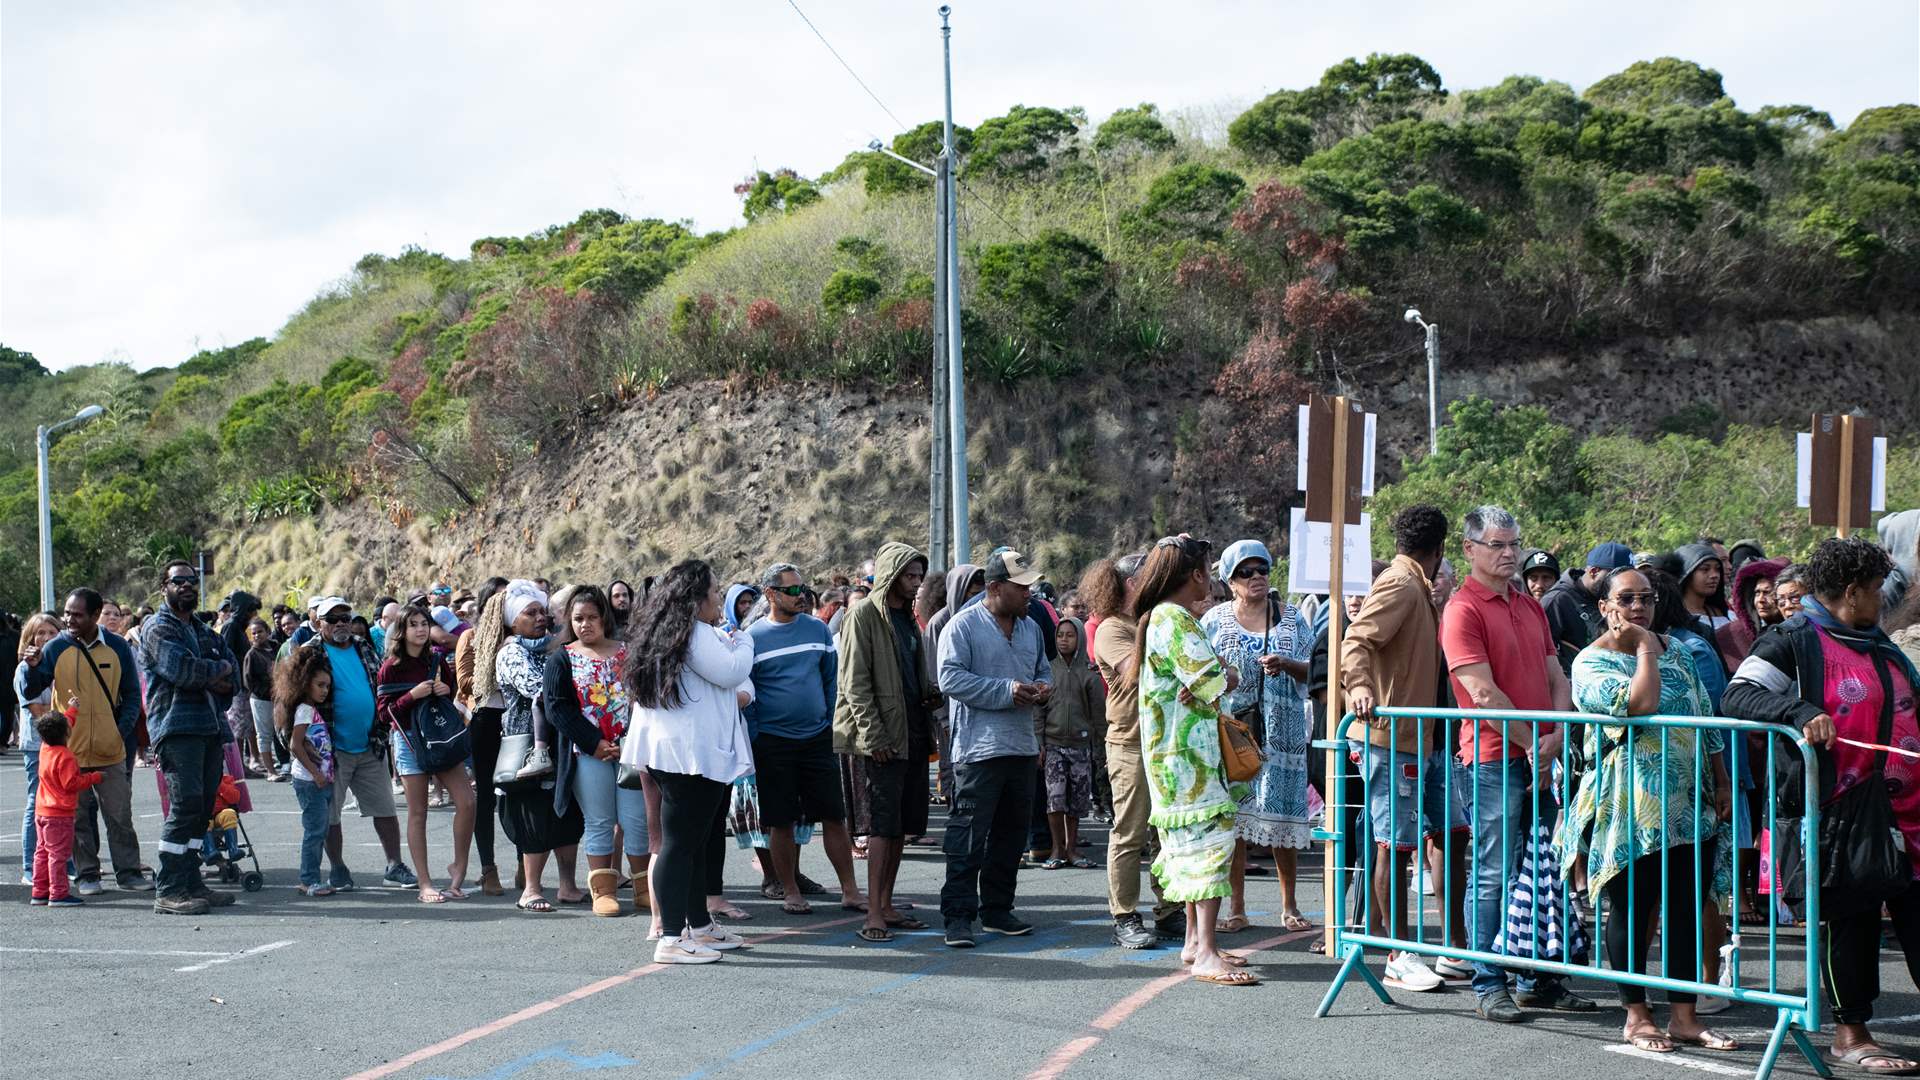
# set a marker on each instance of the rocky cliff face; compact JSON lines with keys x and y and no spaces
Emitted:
{"x":1066,"y":471}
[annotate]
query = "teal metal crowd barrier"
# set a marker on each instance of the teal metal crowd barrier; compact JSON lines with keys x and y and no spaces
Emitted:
{"x":1507,"y":830}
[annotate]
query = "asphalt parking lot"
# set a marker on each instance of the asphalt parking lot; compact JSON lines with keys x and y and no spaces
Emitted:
{"x":373,"y":984}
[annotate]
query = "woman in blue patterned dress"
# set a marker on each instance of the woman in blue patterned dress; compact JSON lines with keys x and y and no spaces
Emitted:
{"x":1267,"y":642}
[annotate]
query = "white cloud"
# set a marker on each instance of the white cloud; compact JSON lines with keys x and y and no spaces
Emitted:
{"x":189,"y":174}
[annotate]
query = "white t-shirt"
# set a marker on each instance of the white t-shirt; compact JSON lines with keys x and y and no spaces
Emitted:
{"x":309,"y":717}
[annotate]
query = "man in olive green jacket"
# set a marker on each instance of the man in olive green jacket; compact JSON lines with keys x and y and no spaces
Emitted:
{"x":881,"y":719}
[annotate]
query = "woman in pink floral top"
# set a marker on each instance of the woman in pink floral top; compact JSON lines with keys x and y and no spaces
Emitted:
{"x":586,"y":703}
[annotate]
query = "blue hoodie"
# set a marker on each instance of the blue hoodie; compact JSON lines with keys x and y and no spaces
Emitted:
{"x":733,"y":596}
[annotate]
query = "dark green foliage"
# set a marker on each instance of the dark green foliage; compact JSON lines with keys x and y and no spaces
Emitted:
{"x":1277,"y":128}
{"x":848,"y":289}
{"x":1045,"y":284}
{"x":629,"y":258}
{"x":216,"y":362}
{"x":1649,"y":85}
{"x":1135,"y":130}
{"x":1191,"y":200}
{"x":17,"y":366}
{"x":885,"y":176}
{"x":776,"y":193}
{"x":1024,"y":143}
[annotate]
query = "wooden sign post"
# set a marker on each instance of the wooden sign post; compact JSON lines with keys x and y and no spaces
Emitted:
{"x":1842,"y":472}
{"x":1335,"y":480}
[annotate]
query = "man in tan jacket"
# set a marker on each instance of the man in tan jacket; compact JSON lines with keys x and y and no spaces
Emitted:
{"x":1391,"y":657}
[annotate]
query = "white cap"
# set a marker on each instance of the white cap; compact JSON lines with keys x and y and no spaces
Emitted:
{"x":320,"y":605}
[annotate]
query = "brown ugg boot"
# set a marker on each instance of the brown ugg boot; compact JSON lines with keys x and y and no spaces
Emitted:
{"x":641,"y":900}
{"x":603,"y":885}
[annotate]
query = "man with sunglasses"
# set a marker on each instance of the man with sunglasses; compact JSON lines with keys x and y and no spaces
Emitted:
{"x":795,"y":669}
{"x":359,"y":744}
{"x":1501,"y":655}
{"x":190,"y":678}
{"x":91,"y":668}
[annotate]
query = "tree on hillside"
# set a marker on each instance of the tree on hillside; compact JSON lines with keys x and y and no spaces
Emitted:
{"x":775,"y":193}
{"x":1648,"y":85}
{"x":1024,"y":143}
{"x":1138,"y":130}
{"x":17,"y":366}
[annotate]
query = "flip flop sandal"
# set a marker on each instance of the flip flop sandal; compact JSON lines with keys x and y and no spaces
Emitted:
{"x":789,"y":908}
{"x":773,"y":890}
{"x":731,"y":912}
{"x":1231,"y":960}
{"x":1858,"y":1057}
{"x":583,"y":898}
{"x":1295,"y":921}
{"x":432,"y":896}
{"x":1236,"y":977}
{"x":875,"y":935}
{"x":1053,"y":864}
{"x":538,"y":906}
{"x":1652,"y":1042}
{"x":861,"y":908}
{"x":905,"y":923}
{"x":1233,"y":924}
{"x":453,"y":893}
{"x":1708,"y":1039}
{"x":1083,"y":864}
{"x":810,"y":887}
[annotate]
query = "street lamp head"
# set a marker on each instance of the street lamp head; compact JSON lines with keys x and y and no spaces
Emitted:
{"x":876,"y":146}
{"x":89,"y":412}
{"x":1412,"y":315}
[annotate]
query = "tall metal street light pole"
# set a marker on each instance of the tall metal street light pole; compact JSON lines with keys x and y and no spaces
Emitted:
{"x":1433,"y":377}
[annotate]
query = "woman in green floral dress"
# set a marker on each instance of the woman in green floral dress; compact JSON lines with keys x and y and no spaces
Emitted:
{"x":1619,"y":818}
{"x":1182,"y":681}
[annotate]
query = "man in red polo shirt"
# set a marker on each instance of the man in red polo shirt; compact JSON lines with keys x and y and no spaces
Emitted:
{"x":1500,"y":655}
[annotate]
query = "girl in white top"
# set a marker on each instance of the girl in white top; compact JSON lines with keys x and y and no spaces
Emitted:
{"x":684,"y":678}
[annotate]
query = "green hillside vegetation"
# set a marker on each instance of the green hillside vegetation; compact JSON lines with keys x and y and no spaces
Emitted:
{"x":1269,"y":262}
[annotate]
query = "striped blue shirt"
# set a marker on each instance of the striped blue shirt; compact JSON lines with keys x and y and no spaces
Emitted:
{"x":795,"y":671}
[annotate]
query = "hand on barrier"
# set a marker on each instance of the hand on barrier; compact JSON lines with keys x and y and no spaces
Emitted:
{"x":1820,"y":730}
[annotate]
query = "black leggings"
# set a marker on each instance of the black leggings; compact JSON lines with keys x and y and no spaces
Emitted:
{"x":1683,"y":912}
{"x":484,"y":733}
{"x":691,"y":810}
{"x":717,"y":847}
{"x":1852,"y":967}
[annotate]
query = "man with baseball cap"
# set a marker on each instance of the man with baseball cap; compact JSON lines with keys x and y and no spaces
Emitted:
{"x":994,"y":672}
{"x":1573,"y":604}
{"x":359,"y":744}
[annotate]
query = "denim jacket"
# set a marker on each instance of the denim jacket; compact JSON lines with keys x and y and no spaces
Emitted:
{"x":183,"y":659}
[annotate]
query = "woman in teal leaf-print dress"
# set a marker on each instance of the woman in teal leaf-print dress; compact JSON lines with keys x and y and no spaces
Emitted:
{"x":1182,"y":681}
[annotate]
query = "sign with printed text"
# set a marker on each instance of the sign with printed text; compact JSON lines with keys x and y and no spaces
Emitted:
{"x":1310,"y":555}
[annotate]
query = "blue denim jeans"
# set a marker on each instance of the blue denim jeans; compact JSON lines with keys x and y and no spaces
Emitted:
{"x":603,"y":802}
{"x":27,"y":839}
{"x":314,"y":801}
{"x":1499,"y":806}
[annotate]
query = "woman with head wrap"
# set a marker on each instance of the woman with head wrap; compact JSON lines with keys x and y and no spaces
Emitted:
{"x":527,"y":810}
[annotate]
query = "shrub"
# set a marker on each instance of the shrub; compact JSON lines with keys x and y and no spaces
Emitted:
{"x":1044,"y":283}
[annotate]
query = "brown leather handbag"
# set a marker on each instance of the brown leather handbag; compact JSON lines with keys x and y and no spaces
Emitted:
{"x":1240,"y":756}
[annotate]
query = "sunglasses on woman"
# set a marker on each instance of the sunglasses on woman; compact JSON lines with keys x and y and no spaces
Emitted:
{"x":1251,"y":570}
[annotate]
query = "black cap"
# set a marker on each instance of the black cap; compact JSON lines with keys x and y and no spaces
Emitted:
{"x":1539,"y":560}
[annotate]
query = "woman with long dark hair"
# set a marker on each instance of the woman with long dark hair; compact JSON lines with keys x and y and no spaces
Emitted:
{"x":1183,"y":683}
{"x":586,"y":699}
{"x":413,"y":672}
{"x":483,"y":724}
{"x":683,"y":677}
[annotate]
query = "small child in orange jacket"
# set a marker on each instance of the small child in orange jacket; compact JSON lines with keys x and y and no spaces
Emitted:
{"x":61,"y":783}
{"x":225,"y":824}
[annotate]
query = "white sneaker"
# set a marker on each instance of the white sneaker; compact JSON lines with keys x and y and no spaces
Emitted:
{"x":1709,"y":1005}
{"x":538,"y":764}
{"x":1406,"y":972}
{"x":682,"y":950}
{"x":1426,"y":885}
{"x":715,"y":936}
{"x":1452,"y":970}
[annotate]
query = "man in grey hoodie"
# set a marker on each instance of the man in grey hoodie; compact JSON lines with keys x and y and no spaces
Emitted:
{"x":1900,"y":535}
{"x":994,"y":672}
{"x":963,"y":583}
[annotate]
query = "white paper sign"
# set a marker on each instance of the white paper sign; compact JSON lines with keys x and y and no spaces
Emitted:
{"x":1803,"y":472}
{"x":1366,"y":453}
{"x":1310,"y":558}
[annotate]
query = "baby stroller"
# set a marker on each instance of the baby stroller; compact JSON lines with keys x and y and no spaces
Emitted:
{"x":225,"y":845}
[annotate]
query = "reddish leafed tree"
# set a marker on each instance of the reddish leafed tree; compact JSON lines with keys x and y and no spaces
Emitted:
{"x":1261,"y":388}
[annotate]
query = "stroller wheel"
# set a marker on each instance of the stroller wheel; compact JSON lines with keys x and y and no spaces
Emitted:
{"x":253,"y":881}
{"x":229,"y":873}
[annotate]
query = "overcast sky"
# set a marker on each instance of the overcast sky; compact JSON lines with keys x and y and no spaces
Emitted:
{"x":184,"y":175}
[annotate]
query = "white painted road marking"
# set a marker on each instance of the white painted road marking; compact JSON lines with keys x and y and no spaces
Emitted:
{"x":231,"y":957}
{"x":115,"y":952}
{"x":1676,"y":1059}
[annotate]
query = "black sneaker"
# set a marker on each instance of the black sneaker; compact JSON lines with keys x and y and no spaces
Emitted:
{"x":1129,"y":932}
{"x":1499,"y":1008}
{"x":1172,"y":927}
{"x":1005,"y":924}
{"x":959,"y":935}
{"x":1560,"y":999}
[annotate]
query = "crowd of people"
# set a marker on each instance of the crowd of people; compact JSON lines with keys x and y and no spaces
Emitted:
{"x":642,"y":725}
